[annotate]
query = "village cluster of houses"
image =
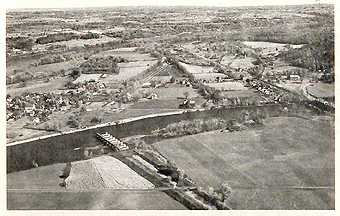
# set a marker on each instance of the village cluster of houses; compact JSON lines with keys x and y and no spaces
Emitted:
{"x":272,"y":94}
{"x":41,"y":106}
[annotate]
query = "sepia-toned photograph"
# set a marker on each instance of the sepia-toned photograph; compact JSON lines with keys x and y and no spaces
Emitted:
{"x":170,"y":105}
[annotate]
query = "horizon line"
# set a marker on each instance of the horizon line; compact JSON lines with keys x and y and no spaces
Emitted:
{"x":127,"y":6}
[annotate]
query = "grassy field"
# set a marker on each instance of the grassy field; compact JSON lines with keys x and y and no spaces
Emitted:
{"x":162,"y":104}
{"x":136,"y":64}
{"x":208,"y":76}
{"x":104,"y":172}
{"x":249,"y":93}
{"x":45,"y":177}
{"x":268,"y":168}
{"x":129,"y":55}
{"x":243,"y":62}
{"x":228,"y":86}
{"x":91,"y":200}
{"x":51,"y":86}
{"x":125,"y":73}
{"x":193,"y":69}
{"x":173,"y":91}
{"x":38,"y":189}
{"x":322,"y":89}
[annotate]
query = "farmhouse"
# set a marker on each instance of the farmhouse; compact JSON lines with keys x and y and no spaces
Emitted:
{"x":295,"y":78}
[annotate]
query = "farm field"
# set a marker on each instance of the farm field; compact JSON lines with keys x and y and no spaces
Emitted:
{"x":104,"y":172}
{"x":45,"y":177}
{"x":228,"y":86}
{"x":52,"y":86}
{"x":124,"y":74}
{"x":163,"y":104}
{"x":321,"y":89}
{"x":291,"y":86}
{"x":156,"y":104}
{"x":136,"y":64}
{"x":243,"y":63}
{"x":208,"y":76}
{"x":288,"y":164}
{"x":248,"y":93}
{"x":92,"y":200}
{"x":87,"y":77}
{"x":38,"y":188}
{"x":173,"y":91}
{"x":132,"y":56}
{"x":193,"y":69}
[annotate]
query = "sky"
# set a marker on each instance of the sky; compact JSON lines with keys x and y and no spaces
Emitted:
{"x":13,"y":4}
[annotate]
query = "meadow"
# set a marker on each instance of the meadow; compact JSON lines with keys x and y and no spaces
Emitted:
{"x":288,"y":164}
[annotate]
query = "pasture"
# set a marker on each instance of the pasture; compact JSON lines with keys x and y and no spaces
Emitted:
{"x":321,"y":89}
{"x":52,"y":86}
{"x":248,"y":93}
{"x":173,"y":91}
{"x":132,"y":56}
{"x":288,"y":164}
{"x":91,"y":200}
{"x":124,"y":74}
{"x":208,"y":76}
{"x":228,"y":86}
{"x":236,"y":63}
{"x":193,"y":69}
{"x":38,"y":189}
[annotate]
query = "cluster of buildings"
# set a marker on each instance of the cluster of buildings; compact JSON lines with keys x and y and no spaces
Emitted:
{"x":41,"y":106}
{"x":271,"y":93}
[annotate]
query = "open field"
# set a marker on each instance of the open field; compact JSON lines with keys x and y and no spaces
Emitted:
{"x":163,"y":104}
{"x":91,"y":200}
{"x":124,"y":74}
{"x":87,"y":77}
{"x":157,"y":104}
{"x":84,"y":175}
{"x":44,"y":177}
{"x":38,"y":188}
{"x":117,"y":175}
{"x":136,"y":64}
{"x":173,"y":91}
{"x":247,"y":93}
{"x":52,"y":86}
{"x":242,"y":63}
{"x":228,"y":86}
{"x":321,"y":89}
{"x":48,"y":68}
{"x":193,"y":69}
{"x":132,"y":56}
{"x":208,"y":76}
{"x":268,"y":168}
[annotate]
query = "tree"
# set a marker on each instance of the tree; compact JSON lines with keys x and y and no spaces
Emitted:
{"x":186,"y":94}
{"x":225,"y":191}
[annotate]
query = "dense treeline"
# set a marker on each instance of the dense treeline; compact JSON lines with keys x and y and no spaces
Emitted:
{"x":23,"y":43}
{"x":317,"y":54}
{"x":188,"y":127}
{"x":64,"y":36}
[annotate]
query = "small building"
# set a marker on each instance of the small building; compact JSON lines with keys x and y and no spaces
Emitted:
{"x":295,"y":78}
{"x":146,"y":85}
